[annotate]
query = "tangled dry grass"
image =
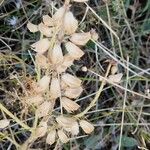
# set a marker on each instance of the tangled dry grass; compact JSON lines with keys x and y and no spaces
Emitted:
{"x":74,"y":74}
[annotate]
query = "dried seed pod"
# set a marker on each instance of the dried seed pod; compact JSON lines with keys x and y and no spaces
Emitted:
{"x":73,"y":92}
{"x":70,"y":23}
{"x":115,"y":78}
{"x":74,"y":51}
{"x":62,"y":136}
{"x":58,"y":16}
{"x":44,"y":83}
{"x":69,"y":105}
{"x":75,"y":128}
{"x":67,"y":62}
{"x":32,"y":27}
{"x":41,"y":61}
{"x":41,"y":130}
{"x":4,"y":123}
{"x":56,"y":55}
{"x":48,"y":21}
{"x":55,"y":91}
{"x":80,"y":38}
{"x":71,"y":81}
{"x":51,"y":137}
{"x":41,"y":46}
{"x":80,"y":1}
{"x":44,"y":109}
{"x":114,"y":69}
{"x":35,"y":100}
{"x":86,"y":126}
{"x":65,"y":122}
{"x":94,"y":35}
{"x":45,"y":30}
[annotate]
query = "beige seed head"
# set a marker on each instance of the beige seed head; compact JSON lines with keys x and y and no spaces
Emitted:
{"x":70,"y":23}
{"x":70,"y":80}
{"x":55,"y":91}
{"x":74,"y":51}
{"x":51,"y":137}
{"x":86,"y":126}
{"x":115,"y":78}
{"x":4,"y":123}
{"x":69,"y":105}
{"x":44,"y":83}
{"x":62,"y":136}
{"x":44,"y":109}
{"x":48,"y":21}
{"x":32,"y":27}
{"x":41,"y":46}
{"x":45,"y":30}
{"x":80,"y":38}
{"x":73,"y":92}
{"x":56,"y":55}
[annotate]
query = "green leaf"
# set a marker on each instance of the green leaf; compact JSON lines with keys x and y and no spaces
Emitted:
{"x":127,"y":141}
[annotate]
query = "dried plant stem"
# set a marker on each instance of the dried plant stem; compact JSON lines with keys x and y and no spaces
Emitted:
{"x":96,"y":96}
{"x":12,"y":141}
{"x":15,"y":118}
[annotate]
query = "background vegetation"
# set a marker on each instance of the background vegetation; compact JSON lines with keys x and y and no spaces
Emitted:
{"x":122,"y":112}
